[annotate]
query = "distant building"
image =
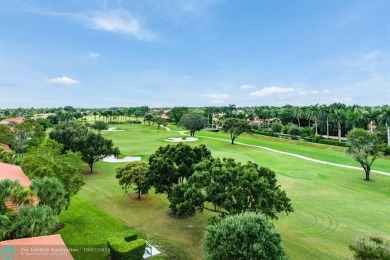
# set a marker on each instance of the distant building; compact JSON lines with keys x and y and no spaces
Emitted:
{"x":17,"y":120}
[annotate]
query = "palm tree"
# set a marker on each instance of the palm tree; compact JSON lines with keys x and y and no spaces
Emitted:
{"x":95,"y":113}
{"x":372,"y":115}
{"x":33,"y":221}
{"x":298,"y":114}
{"x":384,"y":120}
{"x":339,"y":116}
{"x":354,"y":115}
{"x":51,"y":192}
{"x":314,"y":112}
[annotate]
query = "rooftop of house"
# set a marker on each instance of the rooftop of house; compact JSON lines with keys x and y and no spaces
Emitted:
{"x":17,"y":120}
{"x":6,"y":148}
{"x":13,"y":172}
{"x":36,"y":248}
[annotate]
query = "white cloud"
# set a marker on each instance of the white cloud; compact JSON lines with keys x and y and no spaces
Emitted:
{"x":326,"y":91}
{"x":62,"y":80}
{"x":270,"y":90}
{"x":216,"y":101}
{"x":247,"y":87}
{"x":308,"y":92}
{"x":93,"y":55}
{"x":119,"y":21}
{"x":215,"y":96}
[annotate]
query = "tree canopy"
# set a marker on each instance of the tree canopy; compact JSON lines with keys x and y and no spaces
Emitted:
{"x":133,"y":173}
{"x":247,"y":236}
{"x":51,"y":192}
{"x":47,"y":160}
{"x":228,"y":187}
{"x":193,"y":122}
{"x":364,"y":147}
{"x":375,"y":248}
{"x":173,"y":164}
{"x":95,"y":147}
{"x":235,"y":127}
{"x":100,"y":125}
{"x":76,"y":137}
{"x":177,"y":112}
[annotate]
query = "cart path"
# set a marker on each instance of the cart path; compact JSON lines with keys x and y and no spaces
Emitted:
{"x":293,"y":154}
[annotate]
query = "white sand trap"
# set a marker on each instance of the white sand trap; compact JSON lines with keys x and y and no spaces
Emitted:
{"x":180,"y":139}
{"x":112,"y":159}
{"x":113,"y":129}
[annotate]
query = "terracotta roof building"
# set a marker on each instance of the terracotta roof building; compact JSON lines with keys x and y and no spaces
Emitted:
{"x":35,"y":248}
{"x":13,"y":172}
{"x":17,"y":120}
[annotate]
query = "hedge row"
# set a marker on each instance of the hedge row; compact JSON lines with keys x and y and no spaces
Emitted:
{"x":125,"y":245}
{"x":320,"y":140}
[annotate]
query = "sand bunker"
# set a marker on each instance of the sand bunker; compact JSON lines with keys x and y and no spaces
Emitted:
{"x":112,"y":129}
{"x":112,"y":159}
{"x":180,"y":139}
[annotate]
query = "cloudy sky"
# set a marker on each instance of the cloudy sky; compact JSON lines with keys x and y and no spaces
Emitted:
{"x":159,"y":53}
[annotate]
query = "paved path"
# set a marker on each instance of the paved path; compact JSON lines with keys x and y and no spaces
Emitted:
{"x":295,"y":155}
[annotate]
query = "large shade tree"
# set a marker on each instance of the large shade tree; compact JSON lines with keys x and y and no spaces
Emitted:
{"x":173,"y":164}
{"x":364,"y":147}
{"x":94,"y":147}
{"x":247,"y":236}
{"x":193,"y":122}
{"x":228,"y":187}
{"x":76,"y":137}
{"x":133,"y":173}
{"x":235,"y":127}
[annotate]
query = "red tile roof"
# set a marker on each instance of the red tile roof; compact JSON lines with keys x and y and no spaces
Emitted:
{"x":6,"y":148}
{"x":36,"y":248}
{"x":13,"y":172}
{"x":17,"y":120}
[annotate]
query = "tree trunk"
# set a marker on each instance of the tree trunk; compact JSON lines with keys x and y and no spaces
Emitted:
{"x":388,"y":135}
{"x":299,"y":122}
{"x":327,"y":127}
{"x":316,"y":127}
{"x":339,"y":131}
{"x":90,"y":167}
{"x":367,"y":174}
{"x":139,"y":194}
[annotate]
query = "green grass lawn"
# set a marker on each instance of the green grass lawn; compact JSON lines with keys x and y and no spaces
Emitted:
{"x":332,"y":205}
{"x":323,"y":152}
{"x":87,"y":228}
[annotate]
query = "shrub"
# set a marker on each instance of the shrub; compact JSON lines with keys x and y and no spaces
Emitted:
{"x":386,"y":151}
{"x":263,"y":132}
{"x":100,"y":125}
{"x":330,"y":142}
{"x":125,"y":245}
{"x":277,"y":127}
{"x":294,"y":130}
{"x":375,"y":248}
{"x":254,"y":126}
{"x":307,"y":132}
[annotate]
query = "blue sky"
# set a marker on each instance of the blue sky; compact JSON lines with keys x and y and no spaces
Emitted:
{"x":163,"y":53}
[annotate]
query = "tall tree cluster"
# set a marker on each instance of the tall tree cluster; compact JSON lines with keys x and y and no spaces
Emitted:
{"x":77,"y":137}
